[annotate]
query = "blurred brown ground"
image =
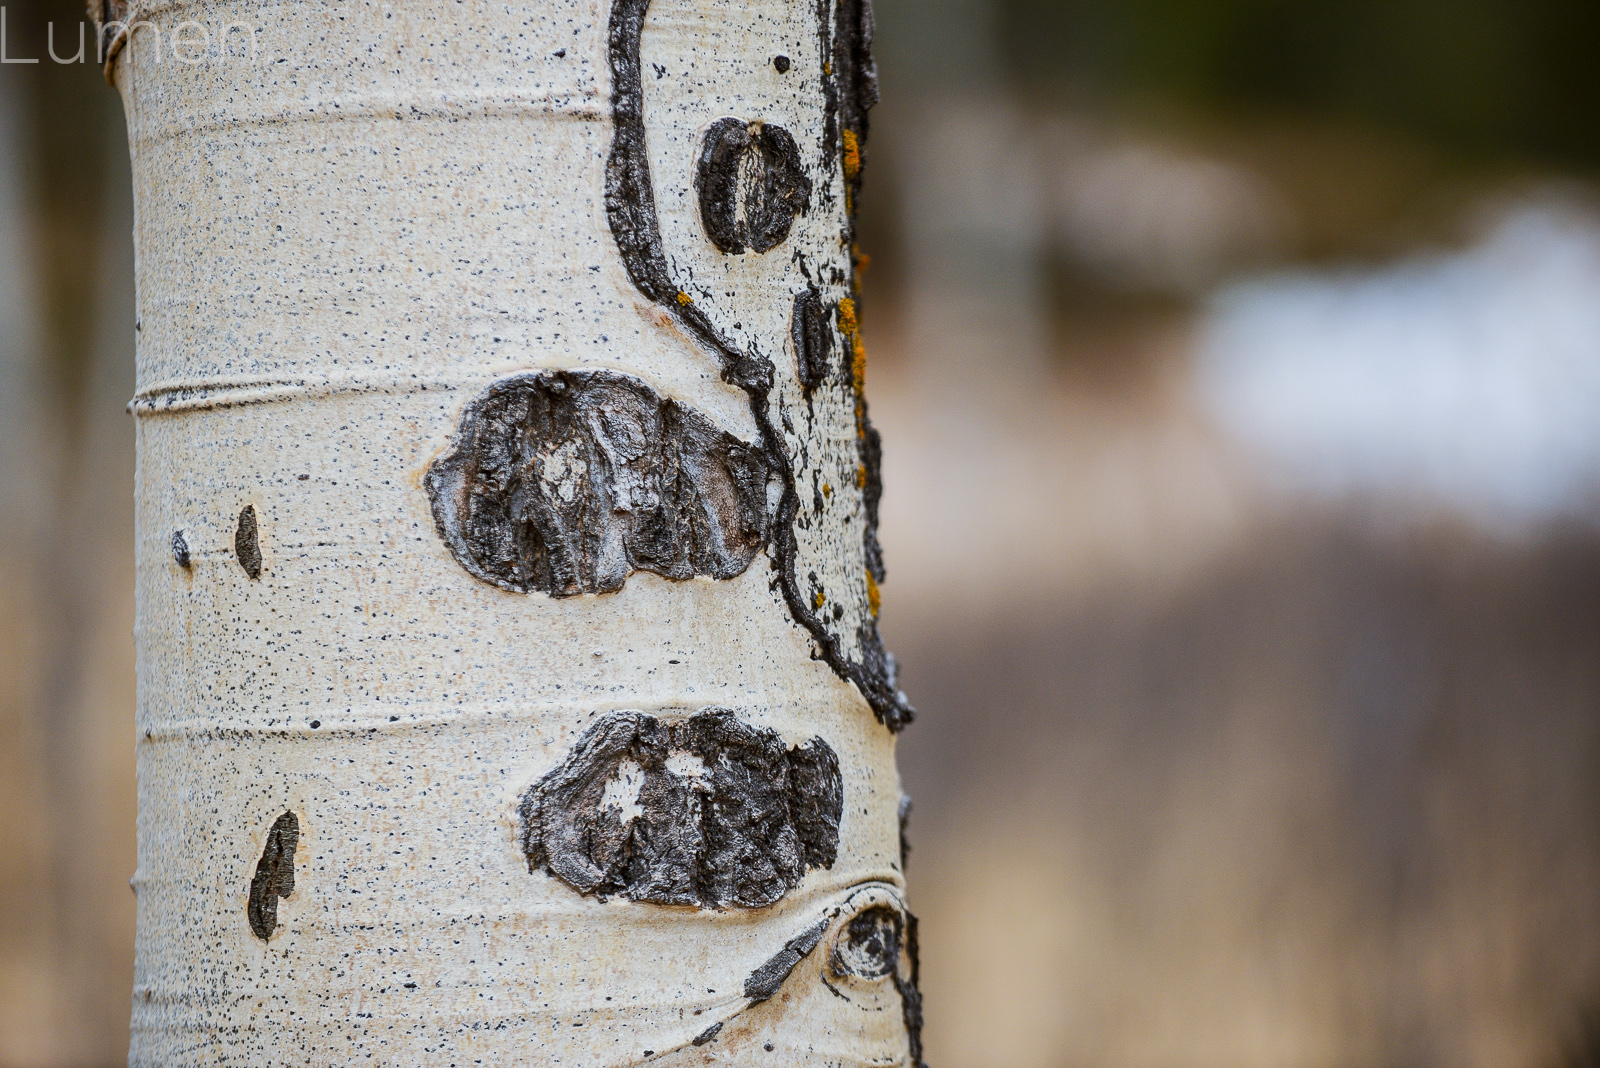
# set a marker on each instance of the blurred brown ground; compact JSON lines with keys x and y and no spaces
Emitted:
{"x":1207,"y":773}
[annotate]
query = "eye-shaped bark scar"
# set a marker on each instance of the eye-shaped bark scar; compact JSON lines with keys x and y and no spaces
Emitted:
{"x":707,"y":811}
{"x":849,"y":89}
{"x":881,"y":943}
{"x":567,"y":482}
{"x":751,"y":185}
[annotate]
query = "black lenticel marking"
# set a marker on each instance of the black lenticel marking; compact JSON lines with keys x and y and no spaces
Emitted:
{"x":781,"y":63}
{"x":708,"y":1034}
{"x":274,"y":877}
{"x":247,"y":542}
{"x":566,"y":482}
{"x":707,"y":811}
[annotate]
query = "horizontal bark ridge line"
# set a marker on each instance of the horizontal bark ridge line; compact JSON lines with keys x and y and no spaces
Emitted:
{"x":176,"y":396}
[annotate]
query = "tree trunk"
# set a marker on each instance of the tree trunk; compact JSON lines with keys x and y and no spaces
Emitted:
{"x":510,"y":689}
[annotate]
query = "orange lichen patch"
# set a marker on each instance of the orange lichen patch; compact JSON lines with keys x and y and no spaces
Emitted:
{"x":827,"y":68}
{"x":852,"y":155}
{"x":858,"y":364}
{"x":819,"y":600}
{"x":847,"y":316}
{"x":874,"y":598}
{"x":683,"y":299}
{"x":861,"y":476}
{"x":827,"y":489}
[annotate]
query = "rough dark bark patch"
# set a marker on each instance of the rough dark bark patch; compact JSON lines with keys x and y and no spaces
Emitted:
{"x":813,"y":338}
{"x":910,"y":990}
{"x":180,"y":550}
{"x":566,"y":482}
{"x":849,"y":88}
{"x":274,"y":877}
{"x":905,"y":826}
{"x":751,"y":185}
{"x":247,"y":542}
{"x":706,"y":811}
{"x":855,"y":94}
{"x":855,"y":72}
{"x":767,"y":979}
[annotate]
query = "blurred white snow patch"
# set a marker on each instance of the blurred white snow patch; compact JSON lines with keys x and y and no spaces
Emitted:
{"x":1469,"y":380}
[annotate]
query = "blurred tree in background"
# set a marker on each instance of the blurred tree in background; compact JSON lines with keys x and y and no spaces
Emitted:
{"x":1486,"y":78}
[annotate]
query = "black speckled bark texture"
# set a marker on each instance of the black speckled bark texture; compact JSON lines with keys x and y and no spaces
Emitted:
{"x":567,"y":482}
{"x":706,"y":811}
{"x":274,"y":877}
{"x":850,"y":88}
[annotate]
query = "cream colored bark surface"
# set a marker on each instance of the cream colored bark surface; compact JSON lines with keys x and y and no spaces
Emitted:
{"x":365,"y":834}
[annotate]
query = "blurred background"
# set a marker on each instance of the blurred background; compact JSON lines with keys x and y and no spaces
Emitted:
{"x":1238,"y":364}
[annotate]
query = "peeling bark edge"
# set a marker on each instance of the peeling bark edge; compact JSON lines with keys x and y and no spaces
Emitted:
{"x":631,"y":215}
{"x":113,"y":23}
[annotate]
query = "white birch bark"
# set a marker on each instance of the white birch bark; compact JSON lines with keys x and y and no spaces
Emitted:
{"x":398,"y":801}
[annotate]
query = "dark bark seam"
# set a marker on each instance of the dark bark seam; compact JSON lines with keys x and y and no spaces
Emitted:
{"x":631,"y":214}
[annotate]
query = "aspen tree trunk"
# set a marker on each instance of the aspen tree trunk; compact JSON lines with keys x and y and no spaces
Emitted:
{"x":510,"y":689}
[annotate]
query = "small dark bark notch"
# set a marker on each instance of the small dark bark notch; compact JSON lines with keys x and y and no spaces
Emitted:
{"x":274,"y":877}
{"x":707,"y":811}
{"x":813,"y":338}
{"x":566,"y":482}
{"x":247,"y":542}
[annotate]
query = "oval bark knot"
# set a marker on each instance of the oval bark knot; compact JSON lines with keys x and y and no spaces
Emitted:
{"x":751,"y":185}
{"x":812,"y":334}
{"x":567,"y":482}
{"x":707,"y":811}
{"x":274,"y":877}
{"x":247,"y":542}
